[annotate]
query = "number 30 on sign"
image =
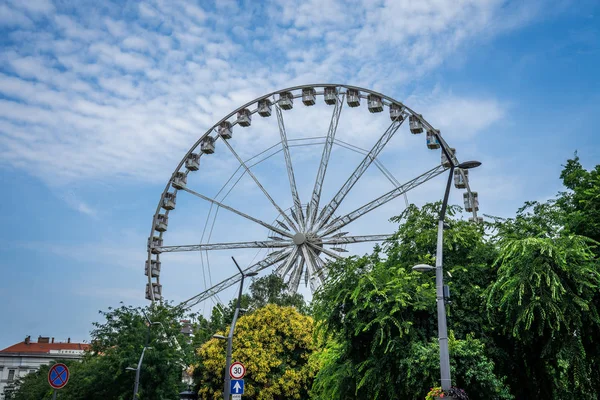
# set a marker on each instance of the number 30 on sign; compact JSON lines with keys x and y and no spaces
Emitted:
{"x":237,"y":370}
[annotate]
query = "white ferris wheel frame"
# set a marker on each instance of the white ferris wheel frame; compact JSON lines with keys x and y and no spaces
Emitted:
{"x":306,"y":229}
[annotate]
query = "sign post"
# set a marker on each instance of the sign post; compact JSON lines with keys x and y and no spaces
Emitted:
{"x":58,"y":376}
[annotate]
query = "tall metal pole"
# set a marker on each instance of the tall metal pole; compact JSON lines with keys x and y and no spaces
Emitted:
{"x":139,"y":366}
{"x":439,"y":284}
{"x":227,"y":387}
{"x":137,"y":374}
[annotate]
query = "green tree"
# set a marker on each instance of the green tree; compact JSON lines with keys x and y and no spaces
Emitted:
{"x":582,"y":200}
{"x":378,"y":316}
{"x":269,"y":289}
{"x":117,"y":344}
{"x":543,"y":300}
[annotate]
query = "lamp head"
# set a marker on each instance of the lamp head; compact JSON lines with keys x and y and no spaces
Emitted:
{"x":423,"y":268}
{"x":219,"y":337}
{"x":250,"y":274}
{"x":469,"y":164}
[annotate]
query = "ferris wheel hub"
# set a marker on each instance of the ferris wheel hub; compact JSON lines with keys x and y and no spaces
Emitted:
{"x":299,"y":238}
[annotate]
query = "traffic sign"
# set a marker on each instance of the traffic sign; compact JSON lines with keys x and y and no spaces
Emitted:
{"x":237,"y":370}
{"x":237,"y":386}
{"x":58,"y":376}
{"x":236,"y":397}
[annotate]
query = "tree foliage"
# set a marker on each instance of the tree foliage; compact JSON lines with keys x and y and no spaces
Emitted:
{"x":523,"y":318}
{"x":380,"y":315}
{"x":117,"y":344}
{"x":275,"y":344}
{"x":525,"y":294}
{"x":269,"y":289}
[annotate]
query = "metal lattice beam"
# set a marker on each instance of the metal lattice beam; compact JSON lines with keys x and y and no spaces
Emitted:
{"x":290,"y":169}
{"x":356,"y":239}
{"x":296,"y":276}
{"x":264,"y":244}
{"x":285,"y":267}
{"x":392,"y":194}
{"x":316,"y":194}
{"x":324,"y":250}
{"x":314,"y":269}
{"x":258,"y":221}
{"x":259,"y":266}
{"x":255,"y":179}
{"x":358,"y":172}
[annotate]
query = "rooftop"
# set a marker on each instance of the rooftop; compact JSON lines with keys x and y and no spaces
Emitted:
{"x":44,"y":345}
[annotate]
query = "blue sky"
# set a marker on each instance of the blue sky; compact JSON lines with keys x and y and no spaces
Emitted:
{"x":100,"y":100}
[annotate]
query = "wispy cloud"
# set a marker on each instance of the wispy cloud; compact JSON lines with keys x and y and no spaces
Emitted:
{"x":109,"y":93}
{"x":459,"y":117}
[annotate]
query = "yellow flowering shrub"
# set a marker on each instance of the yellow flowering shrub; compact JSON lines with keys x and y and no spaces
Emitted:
{"x":275,"y":344}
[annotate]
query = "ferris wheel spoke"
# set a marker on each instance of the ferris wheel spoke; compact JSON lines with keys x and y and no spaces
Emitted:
{"x":316,"y":195}
{"x":259,"y":266}
{"x":265,"y":244}
{"x":296,"y":276}
{"x":258,"y":221}
{"x":318,"y":269}
{"x":290,"y":169}
{"x":358,"y":172}
{"x":325,"y":251}
{"x":356,"y":239}
{"x":392,"y":194}
{"x":243,"y":164}
{"x":311,"y":264}
{"x":285,"y":267}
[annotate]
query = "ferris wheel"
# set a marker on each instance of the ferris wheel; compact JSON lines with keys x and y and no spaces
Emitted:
{"x":302,"y":236}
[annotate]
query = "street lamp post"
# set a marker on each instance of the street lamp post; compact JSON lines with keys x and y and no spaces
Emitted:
{"x":139,"y":366}
{"x":229,"y":338}
{"x":439,"y":276}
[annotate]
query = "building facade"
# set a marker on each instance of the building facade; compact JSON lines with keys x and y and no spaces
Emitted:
{"x":27,"y":356}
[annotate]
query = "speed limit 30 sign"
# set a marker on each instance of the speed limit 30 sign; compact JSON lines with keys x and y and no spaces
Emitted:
{"x":237,"y":370}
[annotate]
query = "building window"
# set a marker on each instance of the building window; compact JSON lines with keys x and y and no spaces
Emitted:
{"x":11,"y":374}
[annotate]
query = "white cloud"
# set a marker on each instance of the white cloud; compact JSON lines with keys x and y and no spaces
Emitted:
{"x":112,"y":55}
{"x":12,"y":18}
{"x":96,"y":98}
{"x":78,"y":205}
{"x":136,"y":43}
{"x":34,"y":6}
{"x":460,"y":118}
